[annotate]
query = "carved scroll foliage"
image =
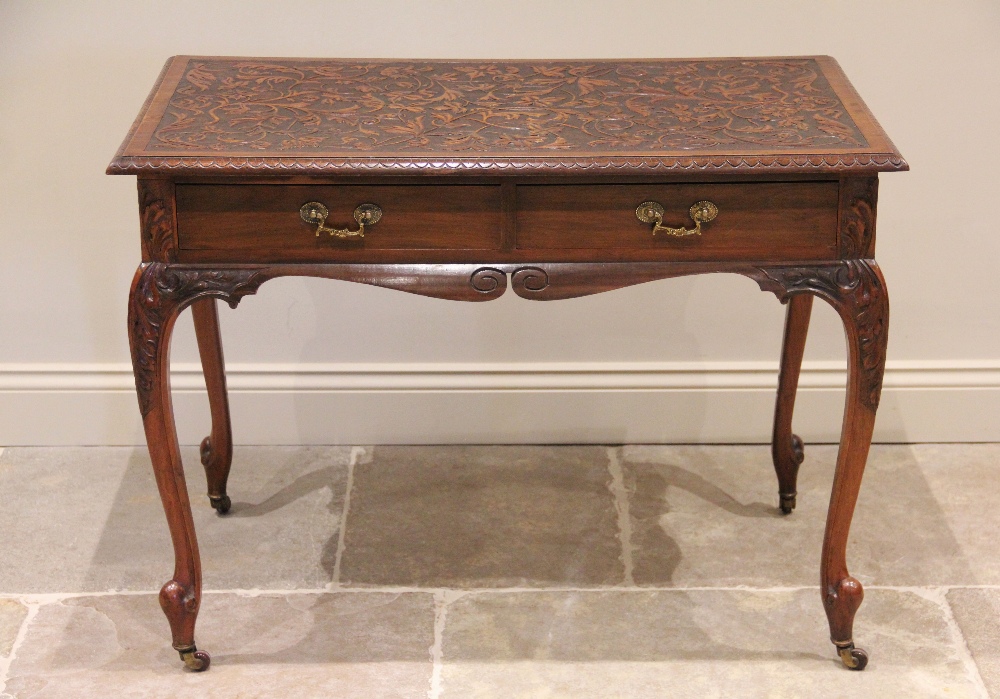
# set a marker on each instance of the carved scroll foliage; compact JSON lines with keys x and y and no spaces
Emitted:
{"x":160,"y":293}
{"x":858,"y":200}
{"x":272,"y":107}
{"x":855,"y":288}
{"x":156,"y":217}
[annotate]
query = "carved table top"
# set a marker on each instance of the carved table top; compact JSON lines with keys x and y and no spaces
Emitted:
{"x":265,"y":116}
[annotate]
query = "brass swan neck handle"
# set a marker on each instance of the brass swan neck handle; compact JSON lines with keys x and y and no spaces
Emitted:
{"x":365,"y":215}
{"x":700,"y":212}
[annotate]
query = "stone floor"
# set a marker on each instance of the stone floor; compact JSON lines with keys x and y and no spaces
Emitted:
{"x":441,"y":572}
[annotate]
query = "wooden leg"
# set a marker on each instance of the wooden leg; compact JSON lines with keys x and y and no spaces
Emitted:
{"x":217,"y":448}
{"x":856,"y":289}
{"x":151,"y":318}
{"x":863,"y":305}
{"x":786,"y":447}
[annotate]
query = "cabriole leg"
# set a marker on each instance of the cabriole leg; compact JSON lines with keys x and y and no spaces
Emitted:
{"x":217,"y":448}
{"x":863,"y":305}
{"x":856,"y":289}
{"x":151,"y":317}
{"x":786,"y":447}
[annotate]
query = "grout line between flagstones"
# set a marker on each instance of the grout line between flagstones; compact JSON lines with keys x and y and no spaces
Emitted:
{"x":436,"y":650}
{"x":620,"y":493}
{"x":22,"y":632}
{"x":356,"y":454}
{"x":958,"y":638}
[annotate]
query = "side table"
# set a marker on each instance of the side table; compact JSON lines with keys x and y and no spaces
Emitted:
{"x":457,"y":179}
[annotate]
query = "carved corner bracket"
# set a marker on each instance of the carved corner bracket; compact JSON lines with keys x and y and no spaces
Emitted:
{"x":857,"y":291}
{"x":159,"y":293}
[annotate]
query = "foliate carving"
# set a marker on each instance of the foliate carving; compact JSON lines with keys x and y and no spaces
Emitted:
{"x":858,"y":201}
{"x":186,"y":284}
{"x":156,"y":216}
{"x":856,"y":289}
{"x":326,"y":106}
{"x":489,"y":281}
{"x":160,"y":292}
{"x":528,"y":280}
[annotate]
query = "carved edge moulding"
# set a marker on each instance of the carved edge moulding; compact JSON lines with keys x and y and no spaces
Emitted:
{"x":761,"y":164}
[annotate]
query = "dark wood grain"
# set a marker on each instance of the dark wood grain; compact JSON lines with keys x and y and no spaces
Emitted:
{"x":262,"y":219}
{"x":780,"y":221}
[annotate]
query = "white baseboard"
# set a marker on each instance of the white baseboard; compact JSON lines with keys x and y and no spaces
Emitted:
{"x":638,"y":402}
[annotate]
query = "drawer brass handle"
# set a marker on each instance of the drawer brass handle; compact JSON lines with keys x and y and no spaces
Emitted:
{"x":365,"y":215}
{"x":652,"y":212}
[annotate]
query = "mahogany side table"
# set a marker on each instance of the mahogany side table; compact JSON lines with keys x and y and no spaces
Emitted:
{"x":457,"y":179}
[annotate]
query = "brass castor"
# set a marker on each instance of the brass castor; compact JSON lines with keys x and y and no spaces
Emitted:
{"x":787,"y":502}
{"x":853,"y":658}
{"x":195,"y":660}
{"x":221,"y":503}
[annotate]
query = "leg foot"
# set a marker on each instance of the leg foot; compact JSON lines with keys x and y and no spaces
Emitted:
{"x":221,"y":504}
{"x":787,"y":502}
{"x":796,"y":456}
{"x":220,"y":501}
{"x":853,"y":658}
{"x":194,"y":659}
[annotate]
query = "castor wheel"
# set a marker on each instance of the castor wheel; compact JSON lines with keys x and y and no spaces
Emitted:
{"x":787,"y":502}
{"x":195,"y":660}
{"x":853,"y":658}
{"x":221,"y":503}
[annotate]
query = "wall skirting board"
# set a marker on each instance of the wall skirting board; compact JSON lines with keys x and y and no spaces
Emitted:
{"x":622,"y":402}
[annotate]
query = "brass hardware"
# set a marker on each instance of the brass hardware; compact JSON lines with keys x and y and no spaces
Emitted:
{"x":787,"y":502}
{"x":852,"y":658}
{"x":365,"y":215}
{"x":194,"y":659}
{"x":652,"y":212}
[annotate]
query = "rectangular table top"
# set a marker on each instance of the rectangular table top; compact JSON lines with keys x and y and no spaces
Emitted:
{"x":297,"y":116}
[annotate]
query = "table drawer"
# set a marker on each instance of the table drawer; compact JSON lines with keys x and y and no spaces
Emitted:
{"x":760,"y":220}
{"x":263,"y":221}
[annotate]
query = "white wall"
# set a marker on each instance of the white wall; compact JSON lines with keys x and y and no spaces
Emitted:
{"x":327,"y":361}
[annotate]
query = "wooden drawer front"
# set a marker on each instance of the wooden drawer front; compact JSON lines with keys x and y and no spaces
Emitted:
{"x":786,"y":221}
{"x":263,"y":220}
